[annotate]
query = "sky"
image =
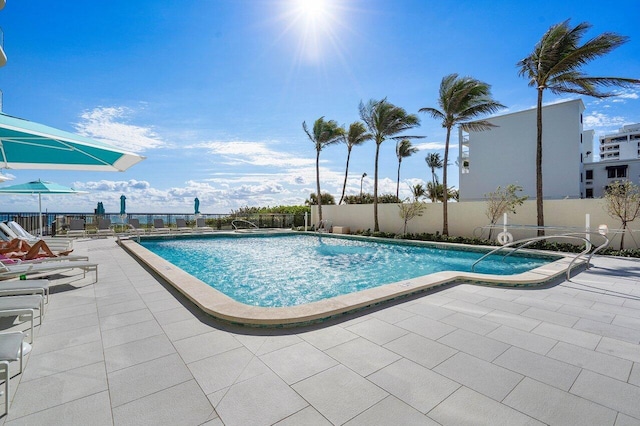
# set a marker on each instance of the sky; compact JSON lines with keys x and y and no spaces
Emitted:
{"x":214,"y":92}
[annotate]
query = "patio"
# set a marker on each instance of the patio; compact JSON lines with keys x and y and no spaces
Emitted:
{"x":129,"y":350}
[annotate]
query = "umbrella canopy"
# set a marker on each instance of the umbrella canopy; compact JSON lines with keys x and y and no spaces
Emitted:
{"x":39,"y":187}
{"x":28,"y":145}
{"x":123,"y":205}
{"x":196,"y":206}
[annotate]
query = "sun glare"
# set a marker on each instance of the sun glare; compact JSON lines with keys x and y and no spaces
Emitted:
{"x":315,"y":21}
{"x":312,"y":9}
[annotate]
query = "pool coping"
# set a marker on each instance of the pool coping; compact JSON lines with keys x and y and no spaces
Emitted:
{"x":221,"y":306}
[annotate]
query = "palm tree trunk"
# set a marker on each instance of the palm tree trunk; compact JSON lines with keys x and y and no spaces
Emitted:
{"x":539,"y":205}
{"x":398,"y":181}
{"x":445,"y":219}
{"x":319,"y":197}
{"x":346,"y":173}
{"x":376,"y":227}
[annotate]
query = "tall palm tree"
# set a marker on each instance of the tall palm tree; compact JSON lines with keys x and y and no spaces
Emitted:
{"x":555,"y":64}
{"x":434,"y":162}
{"x":357,"y":135}
{"x":384,"y":120}
{"x":404,"y":149}
{"x":324,"y":133}
{"x":461,"y":99}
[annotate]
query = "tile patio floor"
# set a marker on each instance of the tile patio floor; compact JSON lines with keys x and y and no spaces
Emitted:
{"x":128,"y":350}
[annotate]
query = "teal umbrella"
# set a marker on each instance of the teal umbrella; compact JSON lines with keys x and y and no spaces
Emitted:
{"x":39,"y":187}
{"x":123,"y":205}
{"x":28,"y":145}
{"x":196,"y":206}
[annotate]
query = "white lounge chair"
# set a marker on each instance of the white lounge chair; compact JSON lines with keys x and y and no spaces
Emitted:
{"x":11,"y":345}
{"x":202,"y":226}
{"x":26,"y":287}
{"x":22,"y":307}
{"x":54,"y":243}
{"x":181,"y":224}
{"x":29,"y":268}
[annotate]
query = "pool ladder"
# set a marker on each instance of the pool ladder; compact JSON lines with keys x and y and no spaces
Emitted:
{"x":517,"y":245}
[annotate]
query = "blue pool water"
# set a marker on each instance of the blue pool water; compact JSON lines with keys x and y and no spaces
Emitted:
{"x":289,"y":270}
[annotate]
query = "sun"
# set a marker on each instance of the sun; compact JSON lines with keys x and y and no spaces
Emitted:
{"x":312,"y":10}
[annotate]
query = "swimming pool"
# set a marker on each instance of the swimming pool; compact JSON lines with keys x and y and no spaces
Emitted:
{"x":290,"y":270}
{"x":219,"y":305}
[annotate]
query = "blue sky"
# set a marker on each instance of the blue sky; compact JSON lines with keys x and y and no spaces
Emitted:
{"x":214,"y":92}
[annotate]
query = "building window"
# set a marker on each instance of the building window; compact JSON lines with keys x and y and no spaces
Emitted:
{"x":617,"y":172}
{"x":589,"y":174}
{"x":589,"y":192}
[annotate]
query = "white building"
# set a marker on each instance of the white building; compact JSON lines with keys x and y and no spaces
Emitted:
{"x":600,"y":174}
{"x":624,"y":145}
{"x":507,"y":154}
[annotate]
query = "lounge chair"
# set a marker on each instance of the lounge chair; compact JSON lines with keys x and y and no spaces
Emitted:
{"x":158,"y":226}
{"x":28,"y":268}
{"x":104,"y":227}
{"x":76,"y":228}
{"x":134,"y":226}
{"x":181,"y":224}
{"x":201,"y":225}
{"x":10,"y":350}
{"x":54,"y":243}
{"x":26,"y":287}
{"x":22,"y":306}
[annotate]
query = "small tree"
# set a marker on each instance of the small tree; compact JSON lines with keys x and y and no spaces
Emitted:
{"x":622,"y":201}
{"x":503,"y":200}
{"x":410,"y":210}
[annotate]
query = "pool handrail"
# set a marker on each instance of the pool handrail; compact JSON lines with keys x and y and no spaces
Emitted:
{"x":235,"y":227}
{"x":517,"y":245}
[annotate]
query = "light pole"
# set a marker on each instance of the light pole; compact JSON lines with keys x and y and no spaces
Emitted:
{"x":361,"y":179}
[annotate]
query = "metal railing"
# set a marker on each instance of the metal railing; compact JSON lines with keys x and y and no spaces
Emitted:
{"x":58,"y":223}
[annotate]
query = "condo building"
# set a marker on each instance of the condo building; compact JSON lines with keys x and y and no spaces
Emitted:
{"x":506,"y":154}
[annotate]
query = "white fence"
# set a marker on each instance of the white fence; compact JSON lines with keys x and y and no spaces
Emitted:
{"x":466,"y":218}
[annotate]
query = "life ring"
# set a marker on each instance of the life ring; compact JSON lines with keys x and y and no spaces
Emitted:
{"x":505,"y":238}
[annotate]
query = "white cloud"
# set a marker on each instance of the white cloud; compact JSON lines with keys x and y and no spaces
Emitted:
{"x":599,"y":120}
{"x":434,"y":146}
{"x":106,"y":124}
{"x":253,"y":153}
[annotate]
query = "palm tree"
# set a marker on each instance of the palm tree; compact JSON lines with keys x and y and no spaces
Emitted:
{"x":384,"y":120}
{"x":435,"y":192}
{"x":324,"y":133}
{"x":434,"y":162}
{"x":555,"y":64}
{"x":419,"y":191}
{"x":404,"y":149}
{"x":461,"y":99}
{"x":357,"y":135}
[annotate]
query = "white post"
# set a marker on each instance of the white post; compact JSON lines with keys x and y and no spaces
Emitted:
{"x":504,"y":223}
{"x":587,"y":226}
{"x":40,"y":212}
{"x":305,"y":221}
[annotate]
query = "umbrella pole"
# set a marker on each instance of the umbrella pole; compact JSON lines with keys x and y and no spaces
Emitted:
{"x":40,"y":212}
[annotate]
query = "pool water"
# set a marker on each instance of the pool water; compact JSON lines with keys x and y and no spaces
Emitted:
{"x":289,"y":270}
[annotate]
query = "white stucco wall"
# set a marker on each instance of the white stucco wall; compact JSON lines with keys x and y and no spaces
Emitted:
{"x":506,"y":154}
{"x":465,"y":218}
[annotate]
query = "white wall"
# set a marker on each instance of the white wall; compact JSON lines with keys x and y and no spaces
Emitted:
{"x":465,"y":218}
{"x":506,"y":154}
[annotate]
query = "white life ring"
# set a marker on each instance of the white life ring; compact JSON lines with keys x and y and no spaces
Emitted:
{"x":505,"y":238}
